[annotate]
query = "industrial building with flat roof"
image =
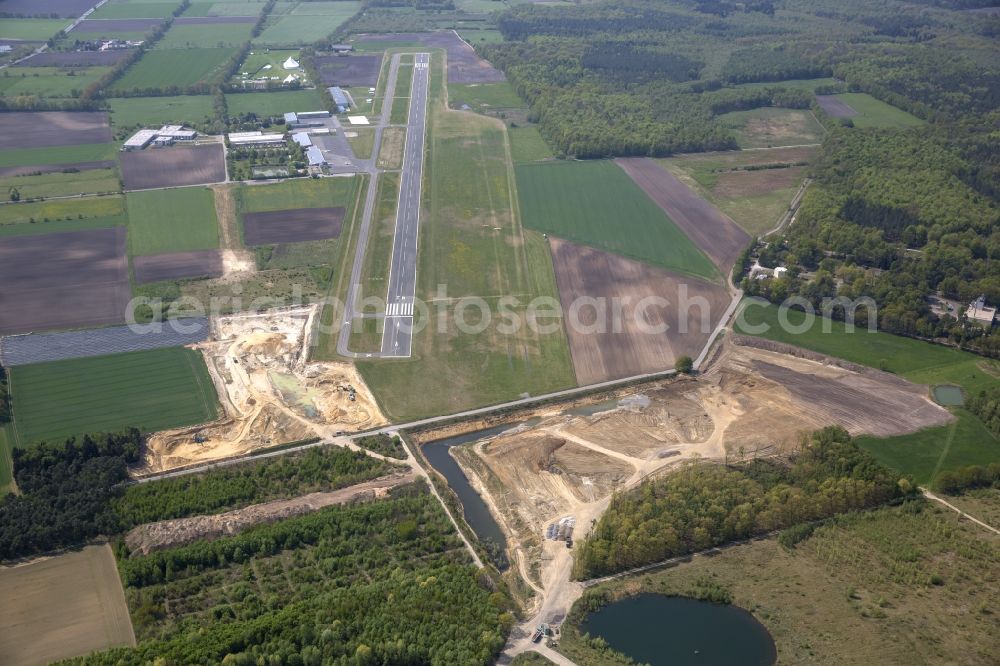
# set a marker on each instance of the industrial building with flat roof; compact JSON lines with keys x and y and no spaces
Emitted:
{"x":302,"y":139}
{"x":315,"y":156}
{"x":256,"y":138}
{"x":139,"y":140}
{"x":164,"y":136}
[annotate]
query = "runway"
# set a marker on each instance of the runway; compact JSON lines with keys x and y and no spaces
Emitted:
{"x":396,"y":334}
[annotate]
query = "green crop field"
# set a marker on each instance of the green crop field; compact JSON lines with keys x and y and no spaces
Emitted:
{"x":964,"y":442}
{"x":55,"y":226}
{"x":49,"y":81}
{"x":152,"y":390}
{"x":240,"y":8}
{"x":301,"y":27}
{"x":301,"y":193}
{"x":6,"y":471}
{"x":527,"y":145}
{"x":471,"y":240}
{"x":60,"y":209}
{"x":274,"y":103}
{"x":88,"y":152}
{"x":175,"y":67}
{"x":31,"y":29}
{"x":58,"y":184}
{"x":179,"y":110}
{"x":175,"y":220}
{"x":208,"y":35}
{"x":127,"y":10}
{"x":876,"y":113}
{"x":769,"y":127}
{"x":597,"y":204}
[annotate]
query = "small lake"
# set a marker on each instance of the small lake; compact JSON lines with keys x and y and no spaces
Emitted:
{"x":659,"y":630}
{"x":948,"y":395}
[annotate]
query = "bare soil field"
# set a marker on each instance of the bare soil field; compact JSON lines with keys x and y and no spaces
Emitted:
{"x":293,"y":225}
{"x":712,"y":231}
{"x":736,"y":184}
{"x":55,"y":168}
{"x":109,"y":26}
{"x":209,"y":20}
{"x":359,"y":70}
{"x":464,"y":66}
{"x":61,"y":607}
{"x":835,"y":107}
{"x":173,"y":167}
{"x":47,"y":8}
{"x":749,"y":403}
{"x":63,"y":280}
{"x":74,"y":58}
{"x":39,"y":129}
{"x":178,"y":265}
{"x":145,"y":539}
{"x":270,"y":393}
{"x":600,"y":355}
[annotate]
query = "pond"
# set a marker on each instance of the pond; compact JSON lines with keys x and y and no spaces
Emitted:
{"x":657,"y":629}
{"x":948,"y":395}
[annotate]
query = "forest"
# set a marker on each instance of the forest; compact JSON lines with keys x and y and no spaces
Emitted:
{"x":986,"y":406}
{"x":347,"y":585}
{"x":706,"y":505}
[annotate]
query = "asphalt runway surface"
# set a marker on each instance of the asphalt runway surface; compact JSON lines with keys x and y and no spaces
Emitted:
{"x":397,"y":333}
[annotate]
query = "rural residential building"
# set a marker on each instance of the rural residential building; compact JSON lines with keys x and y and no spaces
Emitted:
{"x":256,"y":138}
{"x":980,"y":313}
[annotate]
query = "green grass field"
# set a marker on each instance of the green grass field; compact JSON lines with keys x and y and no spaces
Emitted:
{"x":240,"y":8}
{"x":32,"y":29}
{"x":597,"y":204}
{"x":147,"y":111}
{"x":209,"y":35}
{"x":175,"y":67}
{"x":60,"y":209}
{"x":119,"y":9}
{"x":876,"y":113}
{"x":259,"y":58}
{"x":152,"y":390}
{"x":88,"y":152}
{"x":485,"y":96}
{"x":472,"y":241}
{"x":300,"y":27}
{"x":6,"y":467}
{"x":274,"y":103}
{"x":173,"y":220}
{"x":91,"y":181}
{"x":300,"y":193}
{"x":769,"y":127}
{"x":922,"y":454}
{"x":527,"y":145}
{"x":49,"y":81}
{"x":401,"y":95}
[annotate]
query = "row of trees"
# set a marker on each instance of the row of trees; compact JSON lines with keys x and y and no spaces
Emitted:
{"x":986,"y":406}
{"x":703,"y":506}
{"x":955,"y":481}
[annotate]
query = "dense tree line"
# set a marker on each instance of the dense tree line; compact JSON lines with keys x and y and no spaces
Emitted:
{"x":387,"y":445}
{"x":986,"y":406}
{"x":224,"y":488}
{"x":955,"y":481}
{"x":66,"y":492}
{"x":771,"y":63}
{"x":4,"y":397}
{"x":707,"y":505}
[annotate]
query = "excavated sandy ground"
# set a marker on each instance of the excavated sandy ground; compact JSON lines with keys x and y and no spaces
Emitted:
{"x":751,"y":402}
{"x":269,"y":393}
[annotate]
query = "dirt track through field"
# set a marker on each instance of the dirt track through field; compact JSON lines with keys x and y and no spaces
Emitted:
{"x":713,"y":232}
{"x":61,"y":607}
{"x":835,"y":107}
{"x":691,"y":311}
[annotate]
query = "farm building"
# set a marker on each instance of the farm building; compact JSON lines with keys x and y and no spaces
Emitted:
{"x":302,"y":139}
{"x":341,"y":48}
{"x":980,"y":313}
{"x":139,"y":140}
{"x":306,"y":118}
{"x":256,"y":138}
{"x":340,"y":98}
{"x":315,"y":156}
